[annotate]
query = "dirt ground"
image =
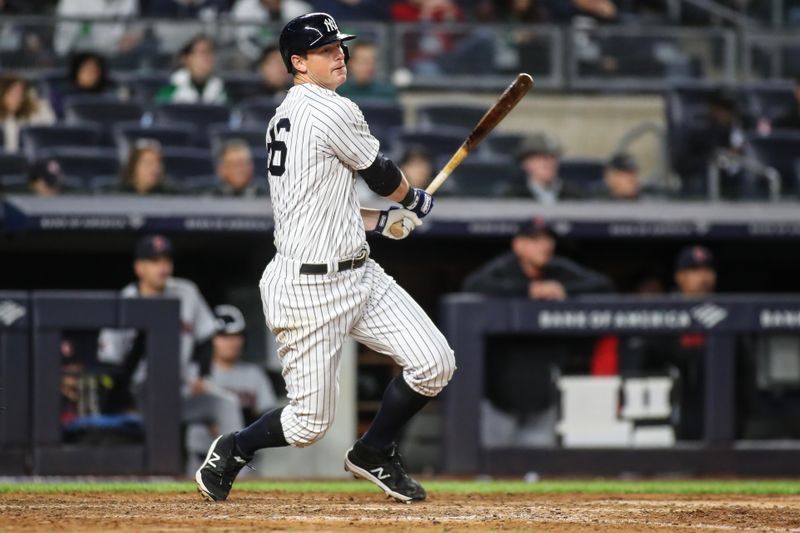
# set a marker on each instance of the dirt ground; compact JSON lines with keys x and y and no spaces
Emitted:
{"x":372,"y":512}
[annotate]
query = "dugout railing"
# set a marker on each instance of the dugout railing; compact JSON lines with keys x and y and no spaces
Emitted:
{"x":32,"y":327}
{"x":468,"y":320}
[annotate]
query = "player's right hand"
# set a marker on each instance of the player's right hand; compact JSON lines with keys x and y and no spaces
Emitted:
{"x":386,"y":219}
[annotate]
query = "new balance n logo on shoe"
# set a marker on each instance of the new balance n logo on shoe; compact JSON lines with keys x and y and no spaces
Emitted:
{"x":379,"y":473}
{"x":213,"y":459}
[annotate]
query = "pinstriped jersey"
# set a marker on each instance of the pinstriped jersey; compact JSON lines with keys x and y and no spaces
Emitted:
{"x":316,"y":142}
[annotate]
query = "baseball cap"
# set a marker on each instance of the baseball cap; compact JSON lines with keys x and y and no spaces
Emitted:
{"x":152,"y":246}
{"x":539,"y":144}
{"x":623,"y":162}
{"x":230,"y":321}
{"x":695,"y":256}
{"x":46,"y":169}
{"x":535,"y":226}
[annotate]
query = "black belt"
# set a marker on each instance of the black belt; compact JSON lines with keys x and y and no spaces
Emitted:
{"x":347,"y":264}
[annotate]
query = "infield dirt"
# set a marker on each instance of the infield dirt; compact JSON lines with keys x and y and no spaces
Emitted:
{"x":280,"y":511}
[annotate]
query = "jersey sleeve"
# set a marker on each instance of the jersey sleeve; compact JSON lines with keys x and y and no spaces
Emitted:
{"x":349,"y":137}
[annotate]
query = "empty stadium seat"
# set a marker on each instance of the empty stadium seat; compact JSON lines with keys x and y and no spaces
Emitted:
{"x":435,"y":116}
{"x":201,"y":116}
{"x":85,"y":162}
{"x":182,"y":164}
{"x":769,"y":100}
{"x":100,"y":109}
{"x":781,"y":151}
{"x":34,"y":139}
{"x":143,"y":87}
{"x":257,"y":112}
{"x":240,"y":87}
{"x":480,"y":178}
{"x":584,"y":174}
{"x":505,"y":144}
{"x":174,"y":135}
{"x":442,"y":142}
{"x":254,"y":137}
{"x":383,"y":118}
{"x":13,"y":171}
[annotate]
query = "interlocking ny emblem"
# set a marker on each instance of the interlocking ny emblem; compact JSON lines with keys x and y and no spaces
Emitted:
{"x":330,"y":24}
{"x":10,"y":312}
{"x":379,"y":473}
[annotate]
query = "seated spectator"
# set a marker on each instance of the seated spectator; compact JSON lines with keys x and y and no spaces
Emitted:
{"x":202,"y":401}
{"x":792,"y":119}
{"x":256,"y":14}
{"x":19,"y":106}
{"x":195,"y":82}
{"x":361,"y":75}
{"x":426,"y":10}
{"x":622,"y":178}
{"x":274,"y":78}
{"x":235,"y":170}
{"x":353,"y":9}
{"x":88,"y":74}
{"x":144,"y":171}
{"x":247,"y":380}
{"x":111,"y":36}
{"x":538,"y":157}
{"x":191,"y":9}
{"x":417,"y":166}
{"x":532,"y":270}
{"x":44,"y":178}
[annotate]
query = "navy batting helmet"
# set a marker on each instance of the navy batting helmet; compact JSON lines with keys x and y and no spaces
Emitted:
{"x":308,"y":31}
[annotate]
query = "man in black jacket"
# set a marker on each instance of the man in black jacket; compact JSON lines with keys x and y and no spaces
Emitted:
{"x":532,"y":269}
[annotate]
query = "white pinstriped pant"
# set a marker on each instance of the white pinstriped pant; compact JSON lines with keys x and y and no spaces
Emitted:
{"x":310,"y":316}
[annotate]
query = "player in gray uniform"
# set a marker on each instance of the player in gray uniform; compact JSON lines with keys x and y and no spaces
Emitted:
{"x":202,"y":401}
{"x":322,"y":286}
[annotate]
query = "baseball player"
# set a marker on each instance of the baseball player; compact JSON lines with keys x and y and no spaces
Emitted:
{"x":322,"y":286}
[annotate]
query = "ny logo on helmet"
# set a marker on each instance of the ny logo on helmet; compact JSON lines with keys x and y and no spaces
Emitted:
{"x":330,"y":24}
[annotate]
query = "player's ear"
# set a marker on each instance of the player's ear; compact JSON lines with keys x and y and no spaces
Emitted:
{"x":299,"y":64}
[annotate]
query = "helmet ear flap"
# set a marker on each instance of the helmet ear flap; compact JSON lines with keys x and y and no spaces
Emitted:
{"x":346,"y":52}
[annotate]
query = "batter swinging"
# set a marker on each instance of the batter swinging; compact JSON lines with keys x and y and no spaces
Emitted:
{"x":322,"y":286}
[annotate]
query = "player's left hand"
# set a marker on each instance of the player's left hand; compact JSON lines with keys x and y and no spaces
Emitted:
{"x":421,"y":203}
{"x":408,"y":219}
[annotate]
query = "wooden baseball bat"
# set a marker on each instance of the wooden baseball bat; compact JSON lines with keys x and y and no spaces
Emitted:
{"x":510,"y":98}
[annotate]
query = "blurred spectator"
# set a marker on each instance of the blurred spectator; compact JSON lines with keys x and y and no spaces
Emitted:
{"x":353,"y":9}
{"x":526,"y":11}
{"x":192,"y":9}
{"x":111,"y":36}
{"x":19,"y":106}
{"x":622,"y":178}
{"x":361,"y":75}
{"x":254,"y":16}
{"x":426,"y":10}
{"x":274,"y":78}
{"x":45,"y":177}
{"x":695,"y":275}
{"x":195,"y":82}
{"x":792,"y":119}
{"x":538,"y":157}
{"x":531,"y":269}
{"x":202,"y":401}
{"x":88,"y":74}
{"x":235,"y":170}
{"x":417,"y":165}
{"x":144,"y":171}
{"x":247,"y":380}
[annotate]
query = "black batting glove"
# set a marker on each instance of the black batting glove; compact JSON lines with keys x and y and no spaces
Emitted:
{"x":418,"y":201}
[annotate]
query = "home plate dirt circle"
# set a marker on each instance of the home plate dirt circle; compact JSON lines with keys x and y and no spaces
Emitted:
{"x":284,"y":511}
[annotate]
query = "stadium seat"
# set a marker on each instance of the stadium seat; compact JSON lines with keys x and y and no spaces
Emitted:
{"x":505,"y":144}
{"x":480,"y":178}
{"x":174,"y":135}
{"x":769,"y":100}
{"x":383,"y":118}
{"x":432,"y":117}
{"x":439,"y":143}
{"x":183,"y":164}
{"x":241,"y":87}
{"x":201,"y":116}
{"x":584,"y":174}
{"x":102,"y":110}
{"x":256,"y":112}
{"x":254,"y":137}
{"x":686,"y":114}
{"x":781,"y":151}
{"x":143,"y":87}
{"x":34,"y":139}
{"x":85,"y":163}
{"x":13,"y":171}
